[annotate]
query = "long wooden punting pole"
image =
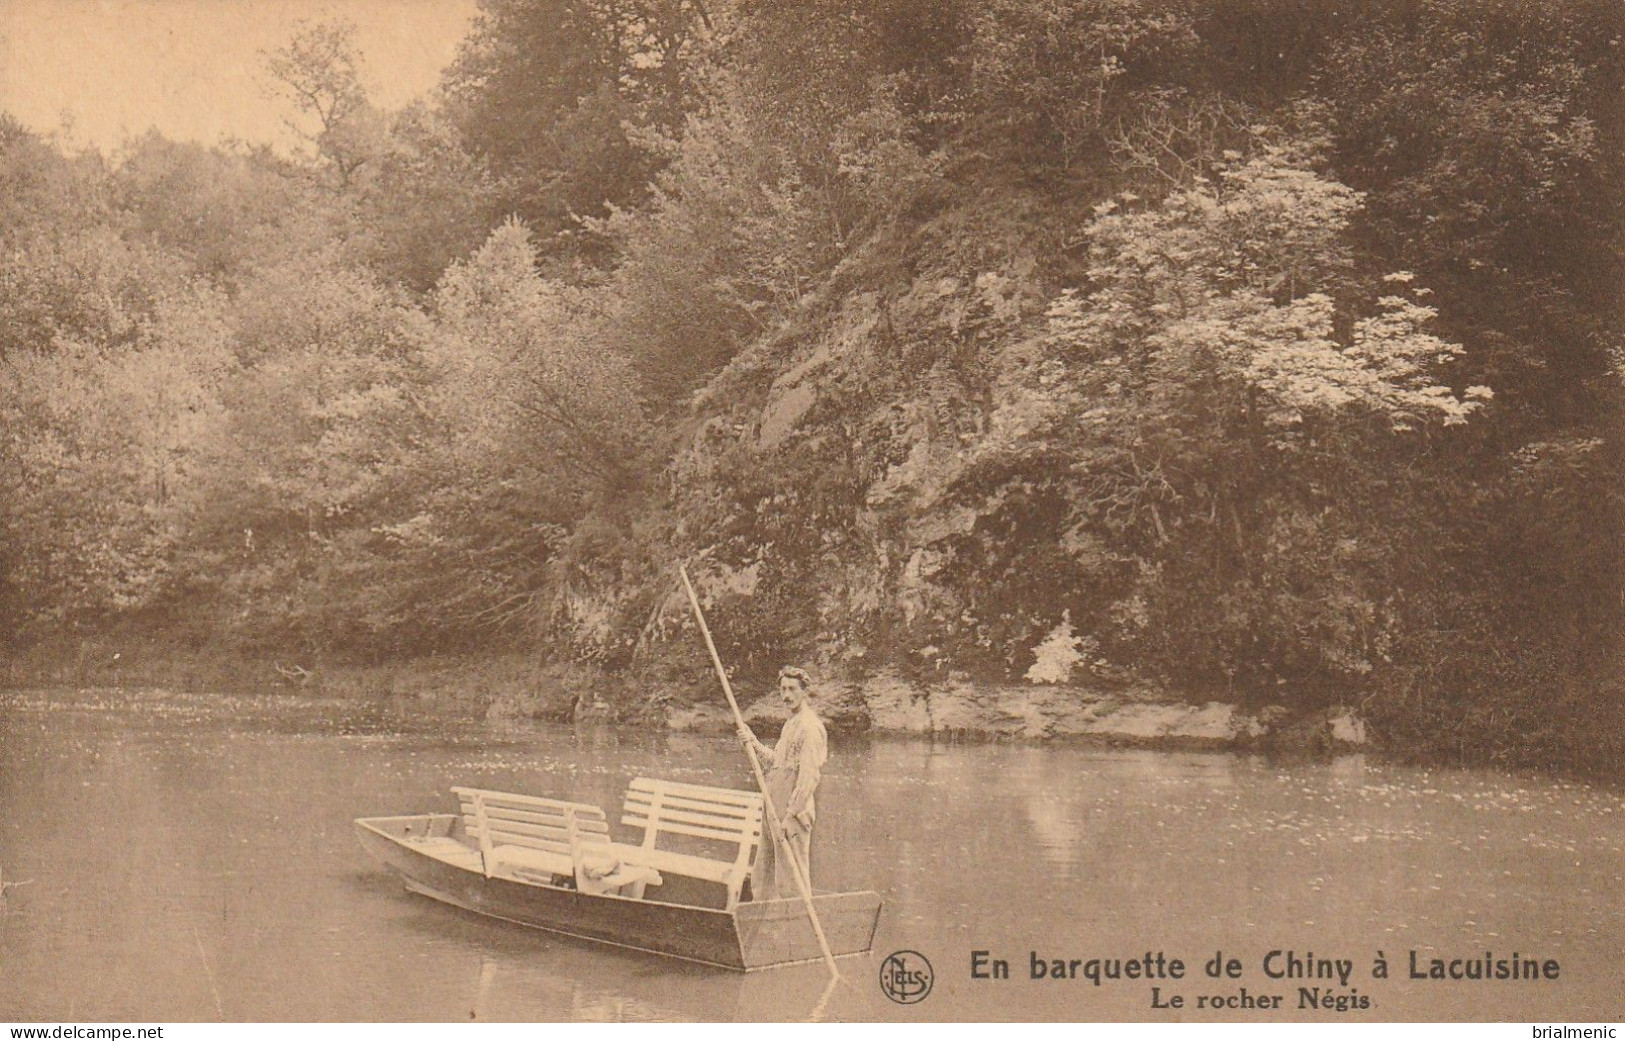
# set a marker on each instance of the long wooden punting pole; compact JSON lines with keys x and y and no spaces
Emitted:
{"x":782,"y":841}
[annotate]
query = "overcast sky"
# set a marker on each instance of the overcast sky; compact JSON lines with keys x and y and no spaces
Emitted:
{"x":192,"y":68}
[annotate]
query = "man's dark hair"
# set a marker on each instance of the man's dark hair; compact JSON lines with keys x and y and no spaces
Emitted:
{"x":799,"y":675}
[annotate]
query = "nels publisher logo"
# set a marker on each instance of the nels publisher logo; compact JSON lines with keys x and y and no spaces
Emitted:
{"x":905,"y":977}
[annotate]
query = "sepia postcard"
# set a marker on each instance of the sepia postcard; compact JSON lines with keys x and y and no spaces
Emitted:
{"x":890,"y":511}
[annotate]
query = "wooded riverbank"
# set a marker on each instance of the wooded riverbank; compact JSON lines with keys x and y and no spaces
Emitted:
{"x":963,"y":349}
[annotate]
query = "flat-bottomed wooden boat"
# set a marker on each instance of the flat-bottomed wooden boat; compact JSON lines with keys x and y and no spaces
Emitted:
{"x":552,"y":865}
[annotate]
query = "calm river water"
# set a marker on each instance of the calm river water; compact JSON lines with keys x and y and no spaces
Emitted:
{"x":192,"y":858}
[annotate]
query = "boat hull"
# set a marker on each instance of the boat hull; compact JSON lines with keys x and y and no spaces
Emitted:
{"x":755,"y":935}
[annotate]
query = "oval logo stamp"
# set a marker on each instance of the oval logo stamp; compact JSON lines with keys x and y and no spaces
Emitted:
{"x":905,"y":977}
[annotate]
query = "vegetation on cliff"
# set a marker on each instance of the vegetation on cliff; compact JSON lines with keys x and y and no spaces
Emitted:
{"x":1266,"y":351}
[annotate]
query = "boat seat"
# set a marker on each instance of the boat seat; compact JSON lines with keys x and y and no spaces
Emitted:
{"x":687,"y":864}
{"x":533,"y":861}
{"x":722,"y":819}
{"x":537,"y":839}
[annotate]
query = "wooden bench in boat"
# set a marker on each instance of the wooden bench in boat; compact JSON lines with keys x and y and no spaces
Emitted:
{"x":728,"y":820}
{"x":536,"y":839}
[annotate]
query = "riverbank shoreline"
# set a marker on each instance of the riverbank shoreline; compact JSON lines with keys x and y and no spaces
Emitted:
{"x":1142,"y":716}
{"x":885,"y":704}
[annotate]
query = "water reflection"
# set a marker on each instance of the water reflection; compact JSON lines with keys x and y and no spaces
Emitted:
{"x":193,"y":860}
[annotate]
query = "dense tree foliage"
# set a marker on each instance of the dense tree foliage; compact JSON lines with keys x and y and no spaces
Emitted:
{"x":569,"y":102}
{"x":1263,"y":349}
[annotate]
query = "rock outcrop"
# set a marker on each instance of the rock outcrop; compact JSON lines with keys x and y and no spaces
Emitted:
{"x":891,"y":704}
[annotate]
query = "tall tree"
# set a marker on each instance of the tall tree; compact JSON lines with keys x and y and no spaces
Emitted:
{"x":320,"y":71}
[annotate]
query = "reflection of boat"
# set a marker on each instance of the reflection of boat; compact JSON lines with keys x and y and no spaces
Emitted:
{"x":551,"y":864}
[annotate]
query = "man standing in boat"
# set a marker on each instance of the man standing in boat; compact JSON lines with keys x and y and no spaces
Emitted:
{"x":794,"y":765}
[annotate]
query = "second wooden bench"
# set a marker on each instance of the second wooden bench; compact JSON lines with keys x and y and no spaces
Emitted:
{"x":726,"y":823}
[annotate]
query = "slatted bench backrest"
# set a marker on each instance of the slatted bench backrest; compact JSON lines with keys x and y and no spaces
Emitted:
{"x":529,"y":821}
{"x":729,"y":820}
